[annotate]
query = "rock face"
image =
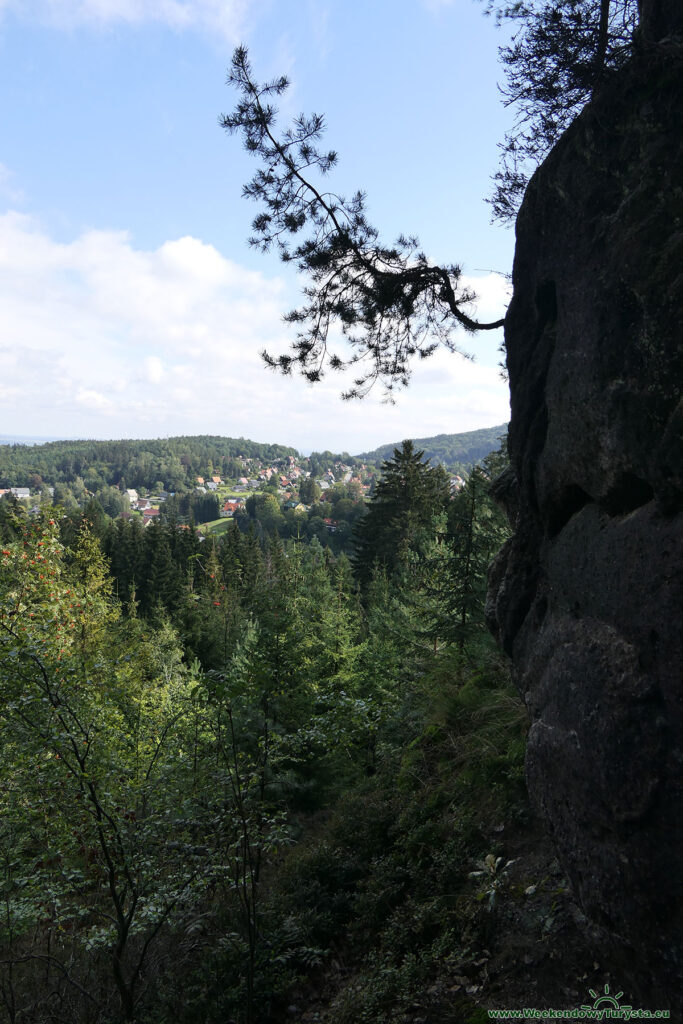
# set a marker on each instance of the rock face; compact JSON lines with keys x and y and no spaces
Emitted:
{"x":587,"y":597}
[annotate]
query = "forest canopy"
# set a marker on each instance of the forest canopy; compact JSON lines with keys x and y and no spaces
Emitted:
{"x":174,"y":712}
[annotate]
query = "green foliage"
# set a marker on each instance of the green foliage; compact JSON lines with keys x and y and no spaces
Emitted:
{"x":95,"y":714}
{"x":309,"y":491}
{"x":219,"y":758}
{"x":386,"y":886}
{"x":477,"y":529}
{"x":204,"y":508}
{"x":265,"y":509}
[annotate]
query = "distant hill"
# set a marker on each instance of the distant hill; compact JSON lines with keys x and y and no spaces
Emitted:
{"x":172,"y":462}
{"x":454,"y":451}
{"x":30,"y":439}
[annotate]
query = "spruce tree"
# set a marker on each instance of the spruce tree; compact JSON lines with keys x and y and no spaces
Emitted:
{"x":162,"y":581}
{"x":409,"y":495}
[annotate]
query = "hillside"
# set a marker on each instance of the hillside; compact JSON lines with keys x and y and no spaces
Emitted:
{"x":172,"y":461}
{"x":454,"y":451}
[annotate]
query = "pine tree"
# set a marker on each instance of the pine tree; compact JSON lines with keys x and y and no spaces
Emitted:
{"x":389,"y":301}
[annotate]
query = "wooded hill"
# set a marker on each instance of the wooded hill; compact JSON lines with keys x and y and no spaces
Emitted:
{"x":172,"y":461}
{"x":457,"y":452}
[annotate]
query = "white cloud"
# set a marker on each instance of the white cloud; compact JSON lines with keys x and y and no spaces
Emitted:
{"x":103,"y":339}
{"x":93,"y":400}
{"x":492,"y":292}
{"x":95,"y":325}
{"x":154,"y":369}
{"x":226,"y":18}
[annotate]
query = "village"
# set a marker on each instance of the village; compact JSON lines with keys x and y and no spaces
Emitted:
{"x":322,"y":495}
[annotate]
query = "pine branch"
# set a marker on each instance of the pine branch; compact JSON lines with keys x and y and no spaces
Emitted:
{"x":389,"y":303}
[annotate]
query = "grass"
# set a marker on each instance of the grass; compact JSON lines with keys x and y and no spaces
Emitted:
{"x":216,"y":526}
{"x":230,"y":492}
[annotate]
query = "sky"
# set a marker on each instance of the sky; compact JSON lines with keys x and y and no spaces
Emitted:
{"x":130,"y":302}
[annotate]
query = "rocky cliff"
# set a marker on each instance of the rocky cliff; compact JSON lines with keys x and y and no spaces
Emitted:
{"x":587,"y":597}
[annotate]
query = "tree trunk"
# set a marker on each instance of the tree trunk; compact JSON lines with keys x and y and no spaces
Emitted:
{"x":603,"y":36}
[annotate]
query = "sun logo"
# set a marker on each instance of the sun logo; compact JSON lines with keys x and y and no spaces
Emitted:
{"x":605,"y":999}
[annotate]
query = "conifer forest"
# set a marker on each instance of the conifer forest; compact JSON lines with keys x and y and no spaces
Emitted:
{"x":228,"y":761}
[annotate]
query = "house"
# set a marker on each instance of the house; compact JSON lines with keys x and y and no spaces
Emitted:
{"x":21,"y":492}
{"x":132,"y":495}
{"x":216,"y":480}
{"x":149,"y":515}
{"x":212,"y":486}
{"x":200,"y":480}
{"x":229,"y":509}
{"x":331,"y":525}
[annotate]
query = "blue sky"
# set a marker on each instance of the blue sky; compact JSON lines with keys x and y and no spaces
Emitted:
{"x":130,"y":303}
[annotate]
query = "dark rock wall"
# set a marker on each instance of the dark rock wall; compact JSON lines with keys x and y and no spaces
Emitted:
{"x":587,"y":597}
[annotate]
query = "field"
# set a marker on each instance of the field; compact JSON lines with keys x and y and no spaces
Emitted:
{"x":216,"y":527}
